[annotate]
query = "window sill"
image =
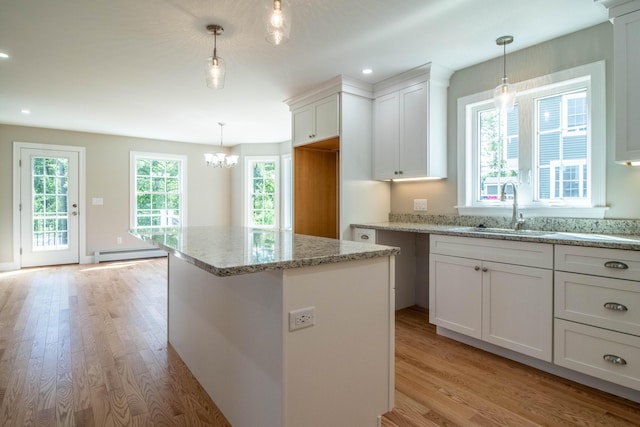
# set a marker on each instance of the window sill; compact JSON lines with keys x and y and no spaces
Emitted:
{"x":526,"y":211}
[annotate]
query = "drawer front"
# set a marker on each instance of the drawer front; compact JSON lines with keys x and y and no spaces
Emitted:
{"x":364,"y":235}
{"x":598,"y":301}
{"x":598,"y":352}
{"x":599,"y":262}
{"x":507,"y":251}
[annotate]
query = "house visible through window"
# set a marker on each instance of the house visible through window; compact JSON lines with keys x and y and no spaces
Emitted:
{"x":157,"y":190}
{"x":552,"y":145}
{"x":262,"y":195}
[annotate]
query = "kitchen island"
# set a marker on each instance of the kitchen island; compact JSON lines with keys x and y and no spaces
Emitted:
{"x":282,"y":329}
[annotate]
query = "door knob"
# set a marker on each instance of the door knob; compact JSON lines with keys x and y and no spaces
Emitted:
{"x":75,"y":205}
{"x":74,"y":213}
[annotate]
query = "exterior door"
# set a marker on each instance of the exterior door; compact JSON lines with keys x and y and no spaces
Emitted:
{"x":49,"y":207}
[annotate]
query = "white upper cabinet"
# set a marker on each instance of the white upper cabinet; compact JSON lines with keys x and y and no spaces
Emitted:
{"x":317,"y":121}
{"x":409,"y":132}
{"x":626,"y":64}
{"x":386,"y":131}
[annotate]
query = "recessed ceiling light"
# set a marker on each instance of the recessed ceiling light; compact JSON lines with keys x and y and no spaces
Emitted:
{"x":3,"y":55}
{"x":25,"y":111}
{"x":367,"y":71}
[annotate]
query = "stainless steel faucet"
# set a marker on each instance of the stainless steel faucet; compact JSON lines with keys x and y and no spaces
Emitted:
{"x":516,"y":220}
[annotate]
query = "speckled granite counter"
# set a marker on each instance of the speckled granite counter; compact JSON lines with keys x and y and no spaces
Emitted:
{"x":229,"y":251}
{"x":611,"y":241}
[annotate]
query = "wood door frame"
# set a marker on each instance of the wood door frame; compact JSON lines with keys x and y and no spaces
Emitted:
{"x":82,"y":222}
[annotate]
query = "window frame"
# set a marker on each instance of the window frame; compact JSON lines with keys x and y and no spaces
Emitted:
{"x":248,"y":179}
{"x":133,"y":207}
{"x":591,"y":76}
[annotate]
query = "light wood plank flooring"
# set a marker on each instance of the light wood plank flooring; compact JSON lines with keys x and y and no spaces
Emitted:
{"x":86,"y":345}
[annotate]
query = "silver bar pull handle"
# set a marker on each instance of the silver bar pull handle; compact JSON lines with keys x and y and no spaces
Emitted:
{"x":615,"y":306}
{"x":616,"y":264}
{"x":616,"y":360}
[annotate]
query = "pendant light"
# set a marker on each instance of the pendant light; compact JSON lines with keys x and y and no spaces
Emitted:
{"x":220,"y":159}
{"x":215,"y":67}
{"x":504,"y":95}
{"x":278,"y":21}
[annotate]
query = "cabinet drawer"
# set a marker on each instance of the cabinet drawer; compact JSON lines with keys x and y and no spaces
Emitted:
{"x":598,"y":261}
{"x":598,"y":301}
{"x":584,"y":348}
{"x":364,"y":235}
{"x":506,"y":251}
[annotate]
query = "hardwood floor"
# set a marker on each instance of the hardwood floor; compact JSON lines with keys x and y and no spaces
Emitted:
{"x":86,"y":345}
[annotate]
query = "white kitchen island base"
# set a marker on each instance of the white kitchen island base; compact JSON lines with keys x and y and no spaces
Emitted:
{"x":233,"y":333}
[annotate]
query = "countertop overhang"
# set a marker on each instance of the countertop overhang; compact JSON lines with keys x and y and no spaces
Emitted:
{"x":229,"y":251}
{"x":610,"y":241}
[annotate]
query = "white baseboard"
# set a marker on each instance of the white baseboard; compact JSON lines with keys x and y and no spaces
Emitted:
{"x":9,"y":266}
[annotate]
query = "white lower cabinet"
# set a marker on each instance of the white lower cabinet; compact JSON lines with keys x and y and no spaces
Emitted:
{"x":506,"y":304}
{"x":457,"y":293}
{"x":597,"y":314}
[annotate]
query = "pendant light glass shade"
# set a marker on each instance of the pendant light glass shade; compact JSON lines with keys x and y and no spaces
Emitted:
{"x":215,"y":72}
{"x":504,"y":96}
{"x":278,"y":21}
{"x":215,"y":69}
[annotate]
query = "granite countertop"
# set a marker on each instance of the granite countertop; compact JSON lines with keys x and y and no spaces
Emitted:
{"x":610,"y":241}
{"x":228,"y":251}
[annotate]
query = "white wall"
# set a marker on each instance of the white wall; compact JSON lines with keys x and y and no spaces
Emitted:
{"x":107,"y":165}
{"x":582,"y":47}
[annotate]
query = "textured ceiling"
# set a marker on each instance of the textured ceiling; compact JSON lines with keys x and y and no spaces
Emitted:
{"x":136,"y":68}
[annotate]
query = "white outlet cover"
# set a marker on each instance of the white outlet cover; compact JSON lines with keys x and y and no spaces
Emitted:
{"x":302,"y":318}
{"x":419,"y":204}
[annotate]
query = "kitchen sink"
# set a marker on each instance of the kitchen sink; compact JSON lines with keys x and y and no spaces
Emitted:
{"x":508,"y":231}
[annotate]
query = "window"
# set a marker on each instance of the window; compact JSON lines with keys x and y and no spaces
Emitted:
{"x":287,"y":193}
{"x":262,"y":195}
{"x":552,"y":145}
{"x":157,"y":196}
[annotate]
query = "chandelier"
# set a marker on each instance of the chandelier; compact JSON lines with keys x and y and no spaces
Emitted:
{"x":220,"y":159}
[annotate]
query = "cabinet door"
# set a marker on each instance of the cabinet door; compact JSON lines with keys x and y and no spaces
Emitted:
{"x":303,"y":125}
{"x":386,"y":134}
{"x":326,"y":118}
{"x":626,"y":33}
{"x":455,"y":287}
{"x":517,"y":310}
{"x":413,"y":131}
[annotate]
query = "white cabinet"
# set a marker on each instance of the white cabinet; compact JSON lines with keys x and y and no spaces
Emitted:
{"x":597,"y":313}
{"x":626,"y":35}
{"x":456,"y":301}
{"x":317,"y":121}
{"x":409,"y":132}
{"x":626,"y":69}
{"x":494,"y":290}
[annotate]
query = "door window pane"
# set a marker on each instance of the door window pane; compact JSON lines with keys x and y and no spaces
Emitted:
{"x":49,"y":203}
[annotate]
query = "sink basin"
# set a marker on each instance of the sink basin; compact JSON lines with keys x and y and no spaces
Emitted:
{"x":508,"y":231}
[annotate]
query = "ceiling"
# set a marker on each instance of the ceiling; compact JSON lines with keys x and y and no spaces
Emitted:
{"x":136,"y":68}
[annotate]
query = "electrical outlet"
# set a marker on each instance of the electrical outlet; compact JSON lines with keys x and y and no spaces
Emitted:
{"x":419,"y":204}
{"x":119,"y":240}
{"x":302,"y":318}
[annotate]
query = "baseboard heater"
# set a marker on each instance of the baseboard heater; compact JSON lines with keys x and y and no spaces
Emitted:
{"x":126,"y":254}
